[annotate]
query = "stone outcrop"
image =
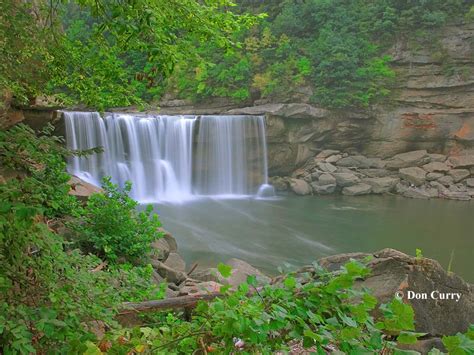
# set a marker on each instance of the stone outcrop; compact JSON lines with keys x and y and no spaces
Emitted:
{"x":393,"y":272}
{"x":430,"y":176}
{"x":81,"y":189}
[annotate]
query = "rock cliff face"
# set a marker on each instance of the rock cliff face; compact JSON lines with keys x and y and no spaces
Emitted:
{"x":431,"y":107}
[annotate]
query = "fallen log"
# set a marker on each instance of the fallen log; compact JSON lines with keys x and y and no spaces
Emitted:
{"x":166,"y":304}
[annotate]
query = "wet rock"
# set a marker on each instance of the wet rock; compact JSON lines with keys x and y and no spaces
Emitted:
{"x":81,"y":189}
{"x":414,"y":175}
{"x":394,"y":271}
{"x":334,"y":158}
{"x":160,"y":249}
{"x":464,"y":161}
{"x":327,"y":167}
{"x":279,"y":183}
{"x":437,"y":157}
{"x":457,"y":195}
{"x":326,"y":153}
{"x":459,"y":174}
{"x":375,"y":173}
{"x":436,"y":167}
{"x":176,"y":262}
{"x":323,"y":189}
{"x":346,"y":179}
{"x":356,"y":161}
{"x":382,"y":185}
{"x":192,"y":288}
{"x":416,"y":192}
{"x":241,"y":270}
{"x":300,"y":187}
{"x":469,"y":182}
{"x":326,"y":179}
{"x":168,"y":273}
{"x":409,"y":159}
{"x":433,"y":176}
{"x":356,"y":190}
{"x":446,"y":180}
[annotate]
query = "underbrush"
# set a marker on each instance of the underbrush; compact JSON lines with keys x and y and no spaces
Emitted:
{"x":56,"y":294}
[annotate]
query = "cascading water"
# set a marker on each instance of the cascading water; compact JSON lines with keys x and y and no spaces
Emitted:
{"x":172,"y":158}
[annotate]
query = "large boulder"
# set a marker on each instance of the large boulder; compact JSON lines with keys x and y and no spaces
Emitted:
{"x":463,"y":161}
{"x":240,"y":271}
{"x":414,"y":175}
{"x":459,"y":174}
{"x":356,"y":190}
{"x":436,"y":167}
{"x":323,"y":189}
{"x":300,"y":187}
{"x":326,"y":179}
{"x":81,"y":189}
{"x":382,"y":184}
{"x":393,"y":272}
{"x":346,"y":179}
{"x":405,"y":160}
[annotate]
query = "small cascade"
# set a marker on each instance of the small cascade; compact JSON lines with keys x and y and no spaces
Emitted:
{"x":172,"y":158}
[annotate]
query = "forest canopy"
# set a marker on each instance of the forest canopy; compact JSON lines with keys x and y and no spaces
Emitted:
{"x":104,"y":54}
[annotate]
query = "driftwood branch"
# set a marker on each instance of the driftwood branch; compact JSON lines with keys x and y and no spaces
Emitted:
{"x":166,"y":304}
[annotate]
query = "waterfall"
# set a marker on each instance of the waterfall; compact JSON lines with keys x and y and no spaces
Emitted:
{"x":171,"y":158}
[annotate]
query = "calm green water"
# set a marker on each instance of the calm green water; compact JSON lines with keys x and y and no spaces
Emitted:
{"x":298,"y":230}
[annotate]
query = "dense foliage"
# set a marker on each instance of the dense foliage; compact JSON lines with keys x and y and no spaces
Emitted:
{"x":52,"y":295}
{"x":112,"y":227}
{"x":104,"y":53}
{"x":334,"y":49}
{"x":48,"y":290}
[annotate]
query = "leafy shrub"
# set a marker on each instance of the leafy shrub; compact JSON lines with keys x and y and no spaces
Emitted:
{"x":40,"y":163}
{"x":320,"y":310}
{"x":112,"y":228}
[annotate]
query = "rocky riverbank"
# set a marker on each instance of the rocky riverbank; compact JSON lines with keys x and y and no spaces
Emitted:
{"x":415,"y":174}
{"x":392,"y":272}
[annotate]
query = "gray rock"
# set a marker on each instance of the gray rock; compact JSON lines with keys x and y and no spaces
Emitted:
{"x":382,"y":185}
{"x":300,"y":187}
{"x":437,"y":157}
{"x":409,"y":159}
{"x":168,"y":273}
{"x":327,"y":167}
{"x":160,"y":249}
{"x":293,"y":110}
{"x":469,"y":182}
{"x":323,"y":189}
{"x":446,"y":180}
{"x":414,"y":175}
{"x":346,"y":179}
{"x":457,"y":195}
{"x":436,"y":167}
{"x":279,"y":183}
{"x":190,"y":287}
{"x":333,"y":158}
{"x":459,"y":174}
{"x":375,"y":173}
{"x":464,"y":161}
{"x":241,"y":270}
{"x":433,"y":176}
{"x":356,"y":190}
{"x":415,"y":192}
{"x":210,"y":274}
{"x":394,"y":271}
{"x":356,"y":161}
{"x":326,"y":179}
{"x":377,"y":163}
{"x":326,"y":153}
{"x":176,"y":262}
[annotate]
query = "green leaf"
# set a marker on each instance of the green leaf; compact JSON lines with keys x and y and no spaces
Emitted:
{"x":224,"y":270}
